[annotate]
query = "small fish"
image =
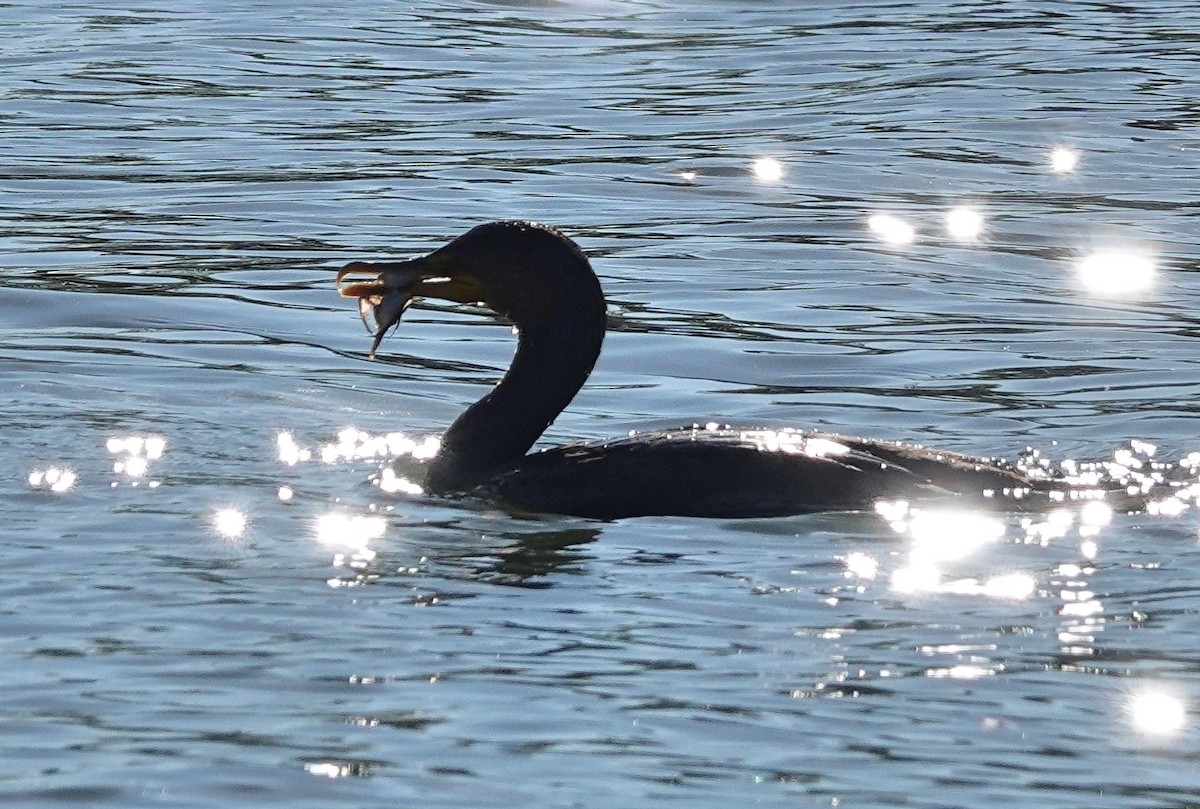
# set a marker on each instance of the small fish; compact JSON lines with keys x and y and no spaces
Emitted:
{"x":382,"y":299}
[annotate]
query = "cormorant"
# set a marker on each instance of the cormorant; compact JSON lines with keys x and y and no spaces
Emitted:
{"x":542,"y":282}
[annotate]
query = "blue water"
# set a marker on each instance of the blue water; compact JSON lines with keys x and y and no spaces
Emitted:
{"x":185,"y":624}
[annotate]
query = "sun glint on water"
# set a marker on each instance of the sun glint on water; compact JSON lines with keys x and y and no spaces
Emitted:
{"x":1116,"y":272}
{"x":1063,"y":160}
{"x":1157,"y":712}
{"x":964,"y":224}
{"x":229,"y":523}
{"x":891,"y":229}
{"x":768,"y":170}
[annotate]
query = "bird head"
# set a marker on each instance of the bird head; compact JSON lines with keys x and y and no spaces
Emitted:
{"x":386,"y":289}
{"x":528,"y":273}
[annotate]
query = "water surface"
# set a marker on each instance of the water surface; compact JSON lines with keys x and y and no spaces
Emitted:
{"x":180,"y":184}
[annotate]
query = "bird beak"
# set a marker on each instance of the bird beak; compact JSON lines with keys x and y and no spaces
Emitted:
{"x":382,"y":298}
{"x":389,"y":288}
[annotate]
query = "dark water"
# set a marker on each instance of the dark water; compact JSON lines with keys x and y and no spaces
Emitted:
{"x":178,"y":184}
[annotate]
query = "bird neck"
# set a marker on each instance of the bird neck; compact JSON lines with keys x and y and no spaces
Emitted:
{"x":554,"y":357}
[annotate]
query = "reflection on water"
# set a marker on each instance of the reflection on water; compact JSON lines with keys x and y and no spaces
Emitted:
{"x":290,"y":452}
{"x":351,"y":532}
{"x":861,"y":565}
{"x":1063,"y":160}
{"x":961,"y":672}
{"x":964,"y":224}
{"x":939,"y":537}
{"x":891,"y":229}
{"x":1116,"y":272}
{"x":339,"y":769}
{"x":134,"y":455}
{"x":943,"y":536}
{"x":1094,"y":516}
{"x":230,"y":523}
{"x":768,"y":170}
{"x":392,"y":483}
{"x":1156,"y":712}
{"x":354,"y":444}
{"x":54,"y":478}
{"x":180,"y":186}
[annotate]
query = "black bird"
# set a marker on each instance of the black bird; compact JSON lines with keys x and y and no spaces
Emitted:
{"x":542,"y":282}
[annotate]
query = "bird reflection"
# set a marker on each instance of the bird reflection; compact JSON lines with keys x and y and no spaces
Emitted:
{"x":533,"y":556}
{"x":512,"y":558}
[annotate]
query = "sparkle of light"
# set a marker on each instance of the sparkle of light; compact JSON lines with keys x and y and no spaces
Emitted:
{"x":1063,"y":160}
{"x":688,"y":176}
{"x":154,"y":446}
{"x":290,"y":452}
{"x":791,"y":442}
{"x":135,"y":466}
{"x":1157,"y":713}
{"x":353,"y":532}
{"x":862,"y":565}
{"x":134,"y":454}
{"x":1096,"y":513}
{"x":1116,"y":272}
{"x":917,"y":577}
{"x":964,"y":224}
{"x":427,"y":448}
{"x":229,"y":523}
{"x":56,"y":479}
{"x":148,"y":446}
{"x":392,"y":483}
{"x":129,"y":444}
{"x":1082,"y":608}
{"x":892,"y":510}
{"x":286,"y":494}
{"x":354,"y":444}
{"x":1012,"y":586}
{"x":1167,"y":507}
{"x":1143,"y":447}
{"x":327,"y":769}
{"x":946,"y":535}
{"x":891,"y":229}
{"x":768,"y":170}
{"x":960,"y":672}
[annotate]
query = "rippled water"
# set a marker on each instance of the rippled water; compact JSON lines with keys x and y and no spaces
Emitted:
{"x":179,"y":183}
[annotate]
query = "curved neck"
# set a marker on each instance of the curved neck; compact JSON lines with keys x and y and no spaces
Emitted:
{"x":556,"y":350}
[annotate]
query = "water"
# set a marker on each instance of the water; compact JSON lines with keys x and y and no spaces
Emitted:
{"x":179,"y":184}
